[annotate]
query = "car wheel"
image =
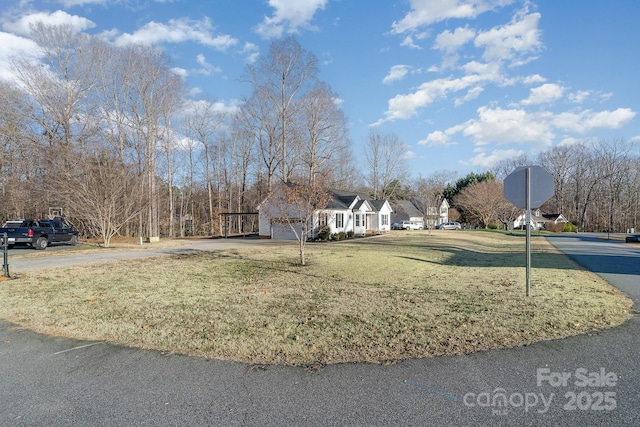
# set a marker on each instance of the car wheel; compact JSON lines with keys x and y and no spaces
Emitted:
{"x":41,"y":243}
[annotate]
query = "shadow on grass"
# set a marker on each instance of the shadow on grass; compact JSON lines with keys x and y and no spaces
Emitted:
{"x":468,"y":258}
{"x":588,"y":252}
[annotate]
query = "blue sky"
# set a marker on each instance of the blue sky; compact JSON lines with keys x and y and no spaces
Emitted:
{"x":464,"y":83}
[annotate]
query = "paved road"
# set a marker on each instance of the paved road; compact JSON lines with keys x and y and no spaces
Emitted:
{"x":51,"y":381}
{"x":617,"y":262}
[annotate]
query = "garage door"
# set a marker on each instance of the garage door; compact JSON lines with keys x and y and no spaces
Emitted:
{"x":284,"y":231}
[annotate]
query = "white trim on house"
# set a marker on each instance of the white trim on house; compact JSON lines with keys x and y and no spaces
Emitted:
{"x":538,"y":220}
{"x":436,"y":215}
{"x":346,"y":212}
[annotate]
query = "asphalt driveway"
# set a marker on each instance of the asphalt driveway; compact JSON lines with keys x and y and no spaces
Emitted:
{"x":583,"y":380}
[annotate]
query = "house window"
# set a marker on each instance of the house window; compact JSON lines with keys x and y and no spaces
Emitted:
{"x":339,"y":220}
{"x":322,"y":219}
{"x":357,"y":220}
{"x":385,"y":219}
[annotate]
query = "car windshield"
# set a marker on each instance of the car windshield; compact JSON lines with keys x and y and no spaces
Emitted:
{"x":9,"y":224}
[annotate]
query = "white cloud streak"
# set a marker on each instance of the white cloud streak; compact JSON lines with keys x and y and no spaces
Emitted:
{"x":449,"y":42}
{"x":546,"y":93}
{"x":427,"y":12}
{"x":22,"y":25}
{"x":519,"y":127}
{"x":12,"y":46}
{"x":178,"y":31}
{"x":288,"y":17}
{"x":516,"y":41}
{"x":397,"y":72}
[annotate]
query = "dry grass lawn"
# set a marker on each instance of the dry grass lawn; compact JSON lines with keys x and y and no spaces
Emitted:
{"x":402,"y":295}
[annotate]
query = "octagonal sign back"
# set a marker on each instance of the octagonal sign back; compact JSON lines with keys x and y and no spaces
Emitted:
{"x":541,"y":182}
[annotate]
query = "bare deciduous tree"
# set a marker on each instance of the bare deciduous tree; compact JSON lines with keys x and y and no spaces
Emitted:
{"x":325,"y":138}
{"x":385,"y":156}
{"x":150,"y":92}
{"x":297,"y":206}
{"x":482,"y":201}
{"x":257,"y":120}
{"x":60,"y":90}
{"x":100,"y":192}
{"x":557,"y":162}
{"x":202,"y":124}
{"x":277,"y":78}
{"x":429,"y":192}
{"x":15,"y":161}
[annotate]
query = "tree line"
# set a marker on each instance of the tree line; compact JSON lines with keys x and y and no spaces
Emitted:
{"x":597,"y":187}
{"x":109,"y":134}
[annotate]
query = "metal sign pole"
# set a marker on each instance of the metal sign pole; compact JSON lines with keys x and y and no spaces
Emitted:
{"x":528,"y":220}
{"x":539,"y":186}
{"x":5,"y":257}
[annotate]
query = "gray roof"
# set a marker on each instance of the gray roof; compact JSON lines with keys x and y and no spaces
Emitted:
{"x":406,"y":207}
{"x":343,"y":199}
{"x":376,"y":204}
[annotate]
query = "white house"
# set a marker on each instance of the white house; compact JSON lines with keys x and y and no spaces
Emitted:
{"x":538,"y":220}
{"x":346,"y":212}
{"x":435,"y":212}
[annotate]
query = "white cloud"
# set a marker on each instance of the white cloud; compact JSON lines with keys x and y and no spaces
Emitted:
{"x":471,"y":94}
{"x":222,"y":108}
{"x":587,"y":120}
{"x":512,"y":126}
{"x":178,"y":31}
{"x":59,"y":17}
{"x":427,"y":12}
{"x":533,"y":79}
{"x":12,"y":46}
{"x":71,"y":3}
{"x":397,"y":72}
{"x":485,"y":161}
{"x":580,"y":96}
{"x":497,"y":126}
{"x":515,"y":41}
{"x":482,"y":68}
{"x":437,"y":139}
{"x":548,"y":92}
{"x":408,"y":42}
{"x":180,"y":72}
{"x":251,"y":51}
{"x":409,"y":155}
{"x":635,"y":139}
{"x":289,"y":16}
{"x":449,"y":42}
{"x":405,"y":106}
{"x":569,"y":141}
{"x":195,"y":91}
{"x":207,"y":69}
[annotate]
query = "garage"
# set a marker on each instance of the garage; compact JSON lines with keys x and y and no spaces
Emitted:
{"x":283,"y":231}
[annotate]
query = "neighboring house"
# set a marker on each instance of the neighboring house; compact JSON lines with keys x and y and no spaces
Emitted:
{"x":405,"y":210}
{"x":345,"y":212}
{"x":538,"y":220}
{"x":434,"y":213}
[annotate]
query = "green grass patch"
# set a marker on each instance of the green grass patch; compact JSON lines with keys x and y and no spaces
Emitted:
{"x":402,"y":295}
